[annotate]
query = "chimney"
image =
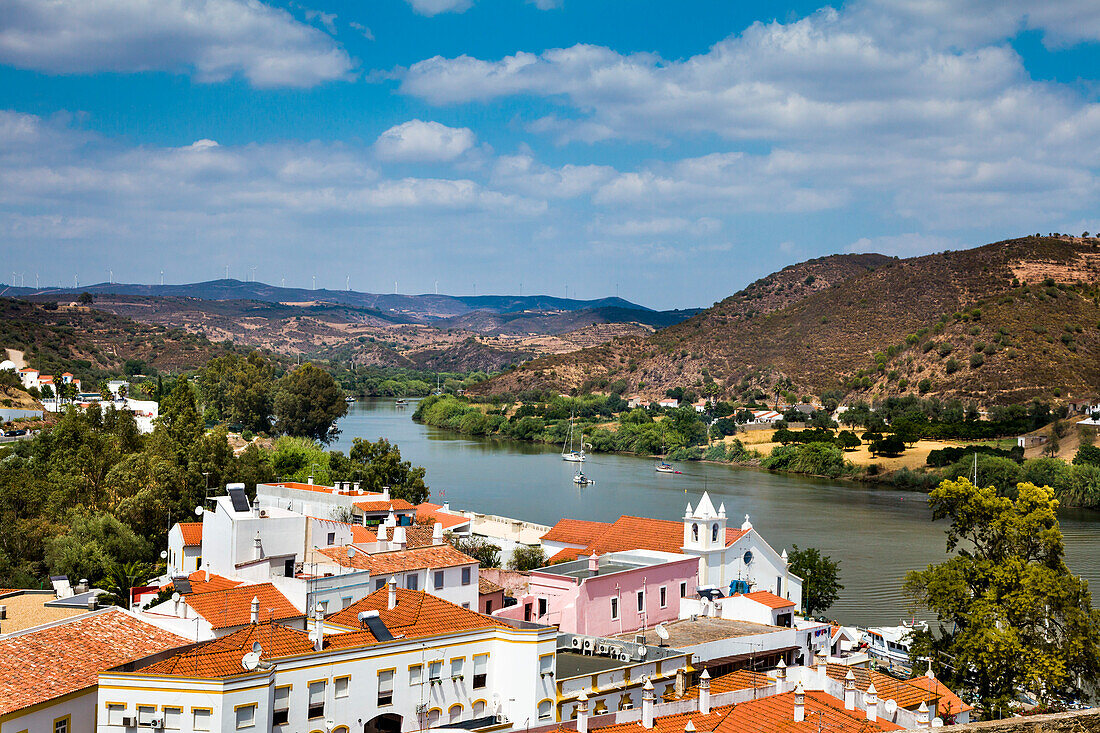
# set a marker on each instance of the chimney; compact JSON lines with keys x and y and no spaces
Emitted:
{"x":930,"y":674}
{"x":383,"y":537}
{"x":319,"y":628}
{"x":871,"y":700}
{"x":385,"y":493}
{"x":310,"y":479}
{"x":680,"y":686}
{"x":391,"y":602}
{"x":356,"y":487}
{"x":780,"y":677}
{"x":398,"y":538}
{"x":594,"y":564}
{"x":255,"y":617}
{"x":582,"y":713}
{"x":446,"y":506}
{"x":257,"y":548}
{"x":92,"y":603}
{"x":648,"y":699}
{"x":690,"y":727}
{"x":799,"y":703}
{"x":922,"y":715}
{"x":822,"y":668}
{"x":437,"y":534}
{"x":704,"y":693}
{"x":850,"y":691}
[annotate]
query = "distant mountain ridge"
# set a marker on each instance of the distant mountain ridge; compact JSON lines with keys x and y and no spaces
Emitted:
{"x":425,"y":306}
{"x":1004,"y":322}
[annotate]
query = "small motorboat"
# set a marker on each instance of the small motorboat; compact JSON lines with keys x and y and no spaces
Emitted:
{"x":402,"y":402}
{"x":349,"y":399}
{"x":581,"y":480}
{"x":665,"y":467}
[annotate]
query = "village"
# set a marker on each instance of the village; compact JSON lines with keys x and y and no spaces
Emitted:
{"x":275,"y":615}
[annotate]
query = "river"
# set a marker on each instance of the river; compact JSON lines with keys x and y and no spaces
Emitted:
{"x":877,"y":534}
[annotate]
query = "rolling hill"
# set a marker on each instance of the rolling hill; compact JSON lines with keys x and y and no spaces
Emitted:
{"x":1004,"y":322}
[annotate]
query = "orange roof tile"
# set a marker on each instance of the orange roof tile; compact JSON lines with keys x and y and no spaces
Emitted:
{"x":428,"y":512}
{"x":416,"y":614}
{"x":903,"y":692}
{"x":192,"y":533}
{"x":222,"y":657}
{"x":384,"y":505}
{"x":485,"y":587}
{"x":742,"y":679}
{"x":204,"y":582}
{"x":767,"y":598}
{"x":636,"y":533}
{"x":949,"y":703}
{"x":233,"y":607}
{"x":575,"y":532}
{"x":775,"y":714}
{"x":671,"y":723}
{"x":398,"y":561}
{"x":42,"y":664}
{"x":564,"y":555}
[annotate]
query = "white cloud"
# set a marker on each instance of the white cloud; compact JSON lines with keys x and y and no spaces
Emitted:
{"x":212,"y":39}
{"x":419,"y":141}
{"x":363,"y":30}
{"x":524,"y":174}
{"x":903,"y":245}
{"x":435,"y":7}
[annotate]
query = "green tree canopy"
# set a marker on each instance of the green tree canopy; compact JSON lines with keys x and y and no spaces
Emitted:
{"x":820,"y":575}
{"x":239,"y":390}
{"x":378,"y":465}
{"x":1011,"y":615}
{"x":527,"y":557}
{"x":308,"y":402}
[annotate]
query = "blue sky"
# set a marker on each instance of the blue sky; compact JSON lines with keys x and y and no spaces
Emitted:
{"x":670,"y":152}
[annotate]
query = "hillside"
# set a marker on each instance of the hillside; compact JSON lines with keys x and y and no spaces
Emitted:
{"x":93,"y":344}
{"x":869,"y":326}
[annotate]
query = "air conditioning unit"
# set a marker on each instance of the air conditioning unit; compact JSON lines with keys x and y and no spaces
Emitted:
{"x":129,"y":721}
{"x":603,"y":648}
{"x":588,"y":645}
{"x":156,"y":722}
{"x":624,"y":657}
{"x":576,"y":642}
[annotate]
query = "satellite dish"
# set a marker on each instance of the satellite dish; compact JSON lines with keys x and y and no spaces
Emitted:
{"x":256,"y":648}
{"x":163,"y":554}
{"x":661,"y":631}
{"x":891,"y":707}
{"x":642,"y":651}
{"x":198,"y":511}
{"x":250,"y":661}
{"x":176,"y":597}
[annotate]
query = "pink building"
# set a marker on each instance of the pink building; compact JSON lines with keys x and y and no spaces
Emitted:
{"x":610,"y":594}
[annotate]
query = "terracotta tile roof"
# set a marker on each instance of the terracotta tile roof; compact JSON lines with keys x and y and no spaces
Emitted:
{"x":384,"y":505}
{"x":40,"y":665}
{"x":949,"y":703}
{"x":767,"y":598}
{"x":192,"y":533}
{"x":575,"y":532}
{"x":742,"y":679}
{"x":428,"y":512}
{"x":775,"y":714}
{"x":398,"y":561}
{"x":204,"y":582}
{"x":634,"y":533}
{"x":564,"y":555}
{"x":416,"y":614}
{"x":359,"y":533}
{"x":903,"y":692}
{"x":233,"y":607}
{"x":670,"y":723}
{"x":222,"y":657}
{"x":419,"y":535}
{"x":485,"y":587}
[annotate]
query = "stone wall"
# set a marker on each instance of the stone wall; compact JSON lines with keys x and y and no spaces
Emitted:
{"x":1077,"y":721}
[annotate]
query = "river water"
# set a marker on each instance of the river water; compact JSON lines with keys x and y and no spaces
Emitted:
{"x":877,"y":534}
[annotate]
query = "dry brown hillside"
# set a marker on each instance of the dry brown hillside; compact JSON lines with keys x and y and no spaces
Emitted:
{"x":866,"y":333}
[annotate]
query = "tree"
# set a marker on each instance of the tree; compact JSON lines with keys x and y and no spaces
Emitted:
{"x":527,"y":557}
{"x":378,"y":465}
{"x":891,"y":446}
{"x":848,"y":440}
{"x":1011,"y":615}
{"x":820,"y":575}
{"x":1087,"y":454}
{"x":239,"y":390}
{"x":85,"y":298}
{"x":486,"y":553}
{"x":308,"y":402}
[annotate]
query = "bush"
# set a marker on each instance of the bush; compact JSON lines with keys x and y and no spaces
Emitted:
{"x":891,"y":446}
{"x":819,"y":459}
{"x":951,"y":366}
{"x":976,"y":360}
{"x":527,"y":557}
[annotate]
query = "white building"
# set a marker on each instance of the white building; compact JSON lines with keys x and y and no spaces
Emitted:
{"x":345,"y":501}
{"x":236,"y":535}
{"x":397,"y":660}
{"x":184,"y":548}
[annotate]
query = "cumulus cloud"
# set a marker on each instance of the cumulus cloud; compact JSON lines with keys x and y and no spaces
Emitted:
{"x":435,"y":7}
{"x":211,"y":39}
{"x":420,"y":141}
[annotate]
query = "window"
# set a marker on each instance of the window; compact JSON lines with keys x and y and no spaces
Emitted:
{"x":664,"y":597}
{"x":416,"y":674}
{"x":200,"y":718}
{"x":481,"y":670}
{"x":145,"y":715}
{"x":457,"y":666}
{"x":466,"y":605}
{"x":245,"y":715}
{"x":546,"y":664}
{"x":380,"y":584}
{"x":455,"y":713}
{"x":479,"y":708}
{"x":61,"y":725}
{"x":411,"y":582}
{"x":545,"y":708}
{"x":526,"y":611}
{"x":695,"y":532}
{"x":340,"y":686}
{"x":625,"y":703}
{"x":331,"y":539}
{"x":115,"y":711}
{"x":543,"y":606}
{"x":683,"y":590}
{"x":641,"y":601}
{"x":779,"y":586}
{"x":280,"y":714}
{"x":489,"y":605}
{"x":433,"y":716}
{"x":172,"y":718}
{"x":438,"y":579}
{"x":465,"y":576}
{"x":714,"y":533}
{"x":324,"y":607}
{"x":435,"y":671}
{"x":614,"y":608}
{"x":288,"y":568}
{"x":345,"y":602}
{"x":385,"y":687}
{"x":316,"y":700}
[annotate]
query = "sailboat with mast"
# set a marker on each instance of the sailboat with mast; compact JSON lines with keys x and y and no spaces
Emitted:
{"x":567,"y":452}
